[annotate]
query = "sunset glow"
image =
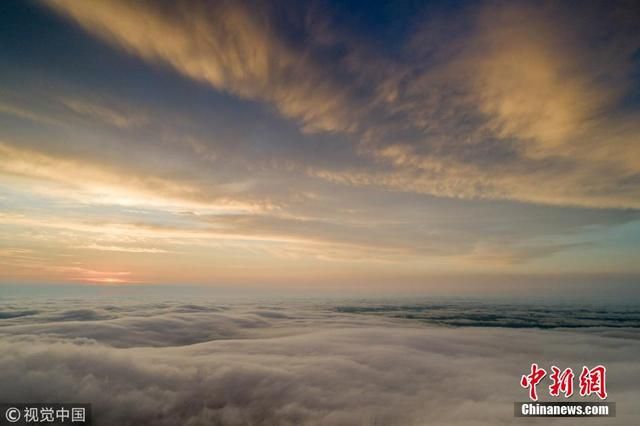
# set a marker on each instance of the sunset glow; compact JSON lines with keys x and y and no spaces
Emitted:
{"x":209,"y":146}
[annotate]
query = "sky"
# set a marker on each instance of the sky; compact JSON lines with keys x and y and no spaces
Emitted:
{"x":437,"y":147}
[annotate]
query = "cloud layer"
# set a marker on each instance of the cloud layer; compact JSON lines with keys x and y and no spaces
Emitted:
{"x":286,"y":363}
{"x":530,"y":89}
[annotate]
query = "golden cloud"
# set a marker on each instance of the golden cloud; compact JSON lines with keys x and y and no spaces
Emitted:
{"x":523,"y":75}
{"x":526,"y":74}
{"x":224,"y":44}
{"x":92,"y":183}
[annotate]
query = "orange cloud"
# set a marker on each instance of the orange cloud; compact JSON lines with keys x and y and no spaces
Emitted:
{"x":98,"y":184}
{"x":528,"y":77}
{"x":225,"y":44}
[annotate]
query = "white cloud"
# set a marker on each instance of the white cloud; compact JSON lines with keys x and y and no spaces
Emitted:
{"x":267,"y":363}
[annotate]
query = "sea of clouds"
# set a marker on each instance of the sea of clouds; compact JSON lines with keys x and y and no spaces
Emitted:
{"x":291,"y":363}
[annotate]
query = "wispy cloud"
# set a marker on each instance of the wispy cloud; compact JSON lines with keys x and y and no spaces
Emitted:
{"x":125,"y":249}
{"x":118,"y":117}
{"x":89,"y":182}
{"x":229,"y":45}
{"x":534,"y":90}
